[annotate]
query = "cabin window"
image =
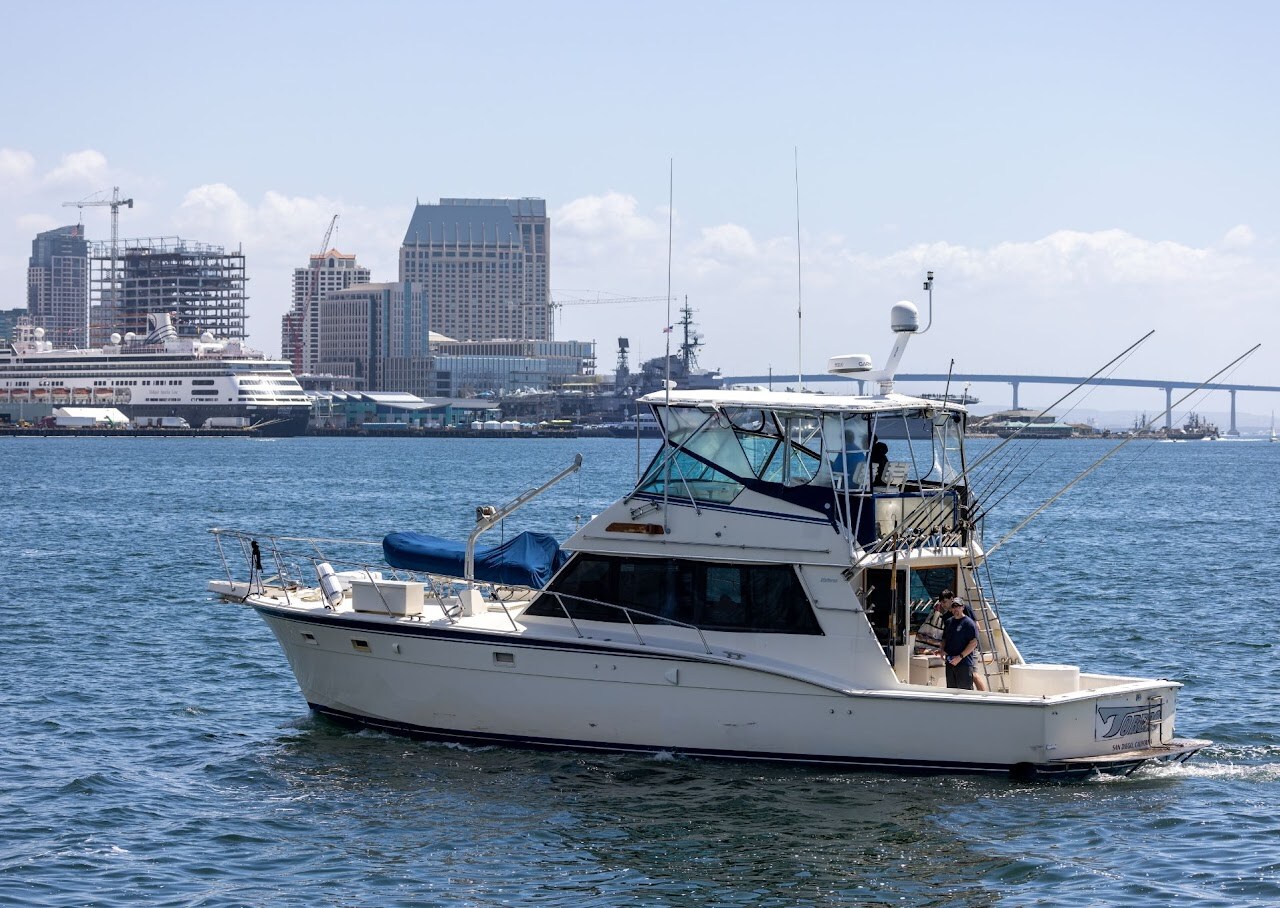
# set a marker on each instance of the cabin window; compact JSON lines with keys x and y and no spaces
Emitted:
{"x":681,"y":475}
{"x":720,"y":450}
{"x":927,"y":441}
{"x":760,"y":598}
{"x":927,"y":583}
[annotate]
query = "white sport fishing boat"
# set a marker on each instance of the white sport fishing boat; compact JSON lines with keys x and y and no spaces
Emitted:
{"x":754,"y":597}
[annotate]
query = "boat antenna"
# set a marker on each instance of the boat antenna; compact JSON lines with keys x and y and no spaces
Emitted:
{"x":799,"y":284}
{"x":671,"y":195}
{"x":1038,"y":511}
{"x":671,"y":179}
{"x":928,"y":285}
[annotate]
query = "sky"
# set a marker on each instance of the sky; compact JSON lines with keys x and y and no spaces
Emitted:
{"x":1075,"y":175}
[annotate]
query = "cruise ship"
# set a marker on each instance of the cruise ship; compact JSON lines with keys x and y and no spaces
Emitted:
{"x":161,"y":375}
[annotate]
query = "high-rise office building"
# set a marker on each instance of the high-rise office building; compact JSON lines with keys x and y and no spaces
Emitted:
{"x":300,"y":327}
{"x":202,"y":286}
{"x":58,"y":285}
{"x":377,"y":333}
{"x":483,"y":266}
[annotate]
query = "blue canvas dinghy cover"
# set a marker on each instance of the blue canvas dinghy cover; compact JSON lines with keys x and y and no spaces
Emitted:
{"x":525,"y":560}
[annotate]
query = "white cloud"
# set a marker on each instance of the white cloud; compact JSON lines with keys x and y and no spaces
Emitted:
{"x":613,"y":214}
{"x":80,"y":168}
{"x":1057,"y":303}
{"x":16,"y":167}
{"x":607,"y":227}
{"x":214,"y":209}
{"x":726,"y":243}
{"x":1238,"y":237}
{"x":1053,"y":303}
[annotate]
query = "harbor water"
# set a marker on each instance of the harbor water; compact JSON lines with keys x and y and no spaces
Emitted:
{"x":154,"y":748}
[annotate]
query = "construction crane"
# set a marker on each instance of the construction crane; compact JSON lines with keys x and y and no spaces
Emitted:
{"x":328,"y":234}
{"x":317,"y":261}
{"x":557,"y":305}
{"x":114,"y":202}
{"x":310,"y":308}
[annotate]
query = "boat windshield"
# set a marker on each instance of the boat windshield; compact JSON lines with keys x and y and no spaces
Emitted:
{"x":713,"y":452}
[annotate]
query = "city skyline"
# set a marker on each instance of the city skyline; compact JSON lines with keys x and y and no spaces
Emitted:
{"x":1074,"y":177}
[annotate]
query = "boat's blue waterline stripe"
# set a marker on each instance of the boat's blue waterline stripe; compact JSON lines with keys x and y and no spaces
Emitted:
{"x":490,"y":739}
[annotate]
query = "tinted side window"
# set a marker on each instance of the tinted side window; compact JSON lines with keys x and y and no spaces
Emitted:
{"x":728,"y":597}
{"x":585,"y":581}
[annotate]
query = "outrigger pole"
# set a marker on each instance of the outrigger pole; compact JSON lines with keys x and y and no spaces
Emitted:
{"x":1003,"y":469}
{"x":939,"y":506}
{"x":1103,"y":368}
{"x":1009,"y":535}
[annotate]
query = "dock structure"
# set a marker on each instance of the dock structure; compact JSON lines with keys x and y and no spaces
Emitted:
{"x":961,"y":378}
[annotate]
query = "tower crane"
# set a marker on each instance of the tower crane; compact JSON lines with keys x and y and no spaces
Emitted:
{"x":328,"y":234}
{"x":558,"y":304}
{"x":305,"y":323}
{"x":317,"y":262}
{"x":114,"y":202}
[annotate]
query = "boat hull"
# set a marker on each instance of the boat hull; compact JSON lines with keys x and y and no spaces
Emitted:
{"x":513,"y":689}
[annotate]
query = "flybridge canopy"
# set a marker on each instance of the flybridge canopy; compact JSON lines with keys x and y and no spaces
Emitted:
{"x":794,"y":400}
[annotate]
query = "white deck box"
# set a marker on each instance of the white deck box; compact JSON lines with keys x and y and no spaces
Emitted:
{"x":928,"y":670}
{"x":1043,"y":680}
{"x":396,"y":597}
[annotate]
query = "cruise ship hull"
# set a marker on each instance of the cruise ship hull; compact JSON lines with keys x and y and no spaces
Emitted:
{"x":277,"y":422}
{"x":159,"y":377}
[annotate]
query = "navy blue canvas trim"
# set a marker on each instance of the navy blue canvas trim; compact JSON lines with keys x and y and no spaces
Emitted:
{"x":731,"y":509}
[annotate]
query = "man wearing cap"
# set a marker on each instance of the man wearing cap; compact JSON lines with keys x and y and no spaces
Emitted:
{"x":959,"y":640}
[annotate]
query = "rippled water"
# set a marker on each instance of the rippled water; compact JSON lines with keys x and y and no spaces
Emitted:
{"x":154,"y":748}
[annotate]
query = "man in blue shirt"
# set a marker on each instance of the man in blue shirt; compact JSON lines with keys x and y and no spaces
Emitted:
{"x":959,"y":640}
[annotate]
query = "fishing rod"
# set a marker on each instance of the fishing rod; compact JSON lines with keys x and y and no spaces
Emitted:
{"x":936,"y":509}
{"x":1007,"y":462}
{"x":1009,"y":535}
{"x":984,"y":481}
{"x":1114,"y":361}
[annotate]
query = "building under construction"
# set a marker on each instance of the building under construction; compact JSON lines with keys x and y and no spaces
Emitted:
{"x":203,"y":286}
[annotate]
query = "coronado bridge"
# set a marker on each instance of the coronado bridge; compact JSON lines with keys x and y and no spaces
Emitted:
{"x":959,"y":379}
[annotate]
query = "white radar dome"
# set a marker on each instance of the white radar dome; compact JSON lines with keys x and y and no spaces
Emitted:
{"x":206,"y":338}
{"x":904,"y":317}
{"x":849,"y":363}
{"x":115,"y":338}
{"x":130,"y":337}
{"x":39,"y":333}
